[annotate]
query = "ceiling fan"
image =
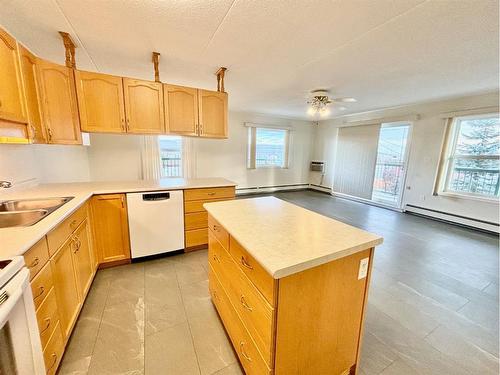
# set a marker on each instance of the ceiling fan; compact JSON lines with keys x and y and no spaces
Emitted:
{"x":320,"y":100}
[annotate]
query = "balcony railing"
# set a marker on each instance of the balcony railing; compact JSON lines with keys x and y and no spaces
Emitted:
{"x":475,"y":181}
{"x":171,"y":163}
{"x":387,"y":180}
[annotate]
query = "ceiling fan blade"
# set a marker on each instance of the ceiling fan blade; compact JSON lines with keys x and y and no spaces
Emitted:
{"x":344,"y":100}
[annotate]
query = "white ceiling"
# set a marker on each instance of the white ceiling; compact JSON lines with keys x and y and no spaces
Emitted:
{"x":383,"y":52}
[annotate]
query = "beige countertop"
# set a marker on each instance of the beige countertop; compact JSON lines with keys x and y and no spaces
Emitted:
{"x":17,"y":240}
{"x":285,"y":238}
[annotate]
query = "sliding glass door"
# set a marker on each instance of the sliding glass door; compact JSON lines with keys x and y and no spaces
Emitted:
{"x":390,"y":167}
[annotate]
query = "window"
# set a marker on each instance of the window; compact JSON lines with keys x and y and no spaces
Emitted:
{"x":267,"y":147}
{"x":171,"y":155}
{"x":472,"y":166}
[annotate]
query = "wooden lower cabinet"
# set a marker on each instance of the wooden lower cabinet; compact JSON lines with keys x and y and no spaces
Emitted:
{"x":84,"y":257}
{"x":307,"y":323}
{"x":54,"y":350}
{"x":110,"y":224}
{"x":195,"y":216}
{"x":66,"y":284}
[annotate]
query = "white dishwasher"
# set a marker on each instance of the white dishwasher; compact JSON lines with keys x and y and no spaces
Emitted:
{"x":156,"y":222}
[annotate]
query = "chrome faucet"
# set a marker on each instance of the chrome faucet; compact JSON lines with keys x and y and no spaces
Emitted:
{"x":5,"y":184}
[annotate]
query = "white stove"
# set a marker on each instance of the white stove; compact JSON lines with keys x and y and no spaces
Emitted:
{"x":19,"y":336}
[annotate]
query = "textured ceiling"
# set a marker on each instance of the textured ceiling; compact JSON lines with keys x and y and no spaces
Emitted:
{"x":382,"y":52}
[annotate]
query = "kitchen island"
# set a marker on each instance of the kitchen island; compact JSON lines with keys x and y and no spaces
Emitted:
{"x":290,"y":285}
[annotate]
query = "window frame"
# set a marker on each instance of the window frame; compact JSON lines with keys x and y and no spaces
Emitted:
{"x":252,"y":147}
{"x":181,"y":152}
{"x":451,"y":156}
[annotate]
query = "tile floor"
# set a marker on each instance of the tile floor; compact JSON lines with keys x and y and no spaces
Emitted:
{"x":433,"y":305}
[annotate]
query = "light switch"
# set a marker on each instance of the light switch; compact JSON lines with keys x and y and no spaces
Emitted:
{"x":363,"y":268}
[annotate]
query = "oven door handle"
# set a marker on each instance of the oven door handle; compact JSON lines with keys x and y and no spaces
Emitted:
{"x":12,"y":296}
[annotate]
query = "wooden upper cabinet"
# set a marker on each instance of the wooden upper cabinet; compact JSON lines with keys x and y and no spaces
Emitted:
{"x":12,"y":106}
{"x":181,"y":109}
{"x":58,"y":98}
{"x":110,"y":222}
{"x":143,"y":106}
{"x":100,"y":101}
{"x":29,"y":76}
{"x":212,"y":108}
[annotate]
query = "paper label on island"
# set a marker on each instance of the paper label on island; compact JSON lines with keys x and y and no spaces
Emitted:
{"x":363,"y":268}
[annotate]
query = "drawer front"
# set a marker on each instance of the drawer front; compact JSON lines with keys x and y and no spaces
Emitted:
{"x":196,"y":237}
{"x":197,"y":206}
{"x":250,"y":305}
{"x":41,"y":285}
{"x":197,"y":220}
{"x":61,"y":233}
{"x":36,"y":257}
{"x":209,"y":193}
{"x":219,"y":232}
{"x":47,"y":317}
{"x":54,"y":350}
{"x":254,"y":271}
{"x":248,"y":354}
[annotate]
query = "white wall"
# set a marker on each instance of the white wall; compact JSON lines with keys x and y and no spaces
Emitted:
{"x":43,"y":163}
{"x":117,"y":157}
{"x":427,"y":135}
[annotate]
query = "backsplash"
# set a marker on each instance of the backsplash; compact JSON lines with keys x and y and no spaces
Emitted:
{"x":31,"y":164}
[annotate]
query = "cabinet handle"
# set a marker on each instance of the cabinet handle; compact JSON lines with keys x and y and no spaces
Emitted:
{"x":245,"y":263}
{"x":216,"y":258}
{"x":201,"y":129}
{"x":41,"y":291}
{"x":212,"y":193}
{"x":123,"y":203}
{"x":216,"y":228}
{"x":49,"y":133}
{"x":123,"y":124}
{"x":242,"y":351}
{"x":72,"y":225}
{"x":35,"y":262}
{"x":33,"y":131}
{"x":245,"y":304}
{"x":54,"y":356}
{"x":47,"y":320}
{"x":128,"y":125}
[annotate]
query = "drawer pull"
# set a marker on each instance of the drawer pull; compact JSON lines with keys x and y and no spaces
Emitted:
{"x":72,"y":225}
{"x":41,"y":291}
{"x":216,"y":258}
{"x":54,"y":360}
{"x":35,"y":262}
{"x":242,"y":351}
{"x":212,"y":193}
{"x":245,"y":263}
{"x":47,"y":320}
{"x":214,"y":293}
{"x":216,"y":228}
{"x":245,"y":304}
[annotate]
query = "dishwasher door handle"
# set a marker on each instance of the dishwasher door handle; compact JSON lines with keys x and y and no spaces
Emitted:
{"x":155,"y":196}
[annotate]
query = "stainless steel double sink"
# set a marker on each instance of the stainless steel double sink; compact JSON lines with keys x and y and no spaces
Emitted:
{"x":26,"y":212}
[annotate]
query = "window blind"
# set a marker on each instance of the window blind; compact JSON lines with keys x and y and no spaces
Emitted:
{"x":355,"y":160}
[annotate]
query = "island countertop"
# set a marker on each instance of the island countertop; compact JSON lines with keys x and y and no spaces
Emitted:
{"x":285,"y":238}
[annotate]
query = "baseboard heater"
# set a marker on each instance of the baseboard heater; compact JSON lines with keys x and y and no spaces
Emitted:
{"x":270,"y":189}
{"x":447,"y":217}
{"x":320,"y":188}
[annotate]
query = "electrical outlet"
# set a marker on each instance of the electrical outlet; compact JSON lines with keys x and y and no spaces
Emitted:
{"x":363,"y":268}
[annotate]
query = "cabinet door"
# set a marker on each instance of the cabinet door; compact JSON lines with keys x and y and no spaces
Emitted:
{"x":66,"y":285}
{"x":181,"y":110}
{"x":28,"y":69}
{"x":12,"y":106}
{"x":59,"y":107}
{"x":143,"y":106}
{"x":110,"y":223}
{"x":212,"y":107}
{"x":100,"y":102}
{"x":83,"y":257}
